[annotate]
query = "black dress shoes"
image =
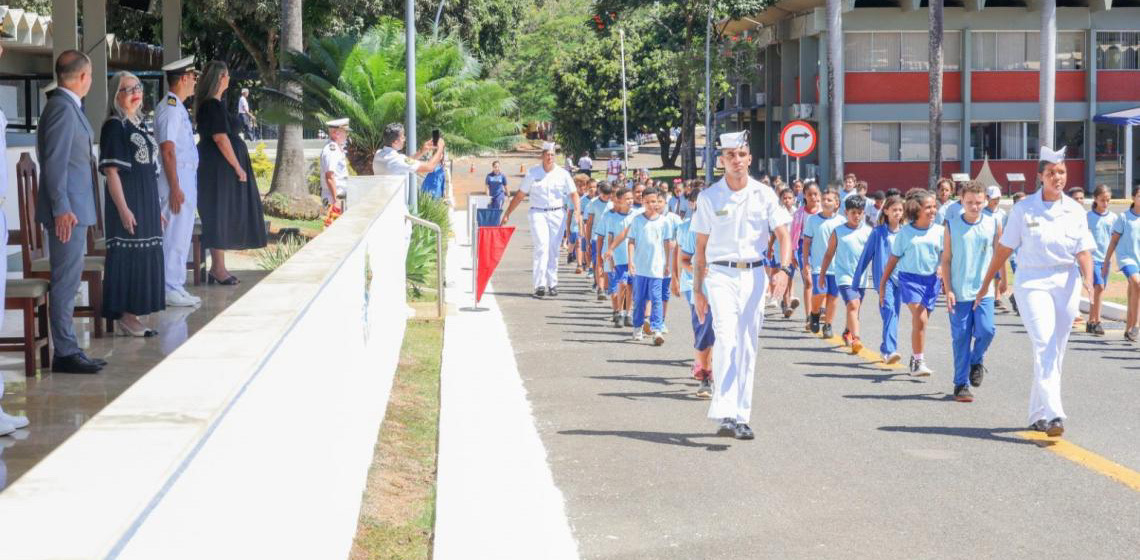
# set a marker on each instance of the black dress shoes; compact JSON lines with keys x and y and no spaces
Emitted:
{"x":1039,"y":426}
{"x":99,"y":362}
{"x":743,"y":432}
{"x":76,"y":363}
{"x":539,"y":291}
{"x":553,"y":291}
{"x":1056,"y":428}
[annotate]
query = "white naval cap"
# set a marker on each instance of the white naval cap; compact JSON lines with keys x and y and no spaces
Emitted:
{"x":180,"y":66}
{"x":338,"y":123}
{"x":993,"y":191}
{"x":1052,"y":156}
{"x":549,"y":146}
{"x":733,"y":140}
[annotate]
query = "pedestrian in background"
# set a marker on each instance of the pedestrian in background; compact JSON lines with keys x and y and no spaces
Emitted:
{"x":496,"y":186}
{"x":245,"y":114}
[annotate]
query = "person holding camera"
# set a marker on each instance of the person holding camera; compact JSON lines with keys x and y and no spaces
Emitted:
{"x":389,"y":161}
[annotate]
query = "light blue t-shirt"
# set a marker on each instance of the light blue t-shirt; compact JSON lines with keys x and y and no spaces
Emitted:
{"x":947,"y":212}
{"x":919,"y":250}
{"x":1101,"y":227}
{"x":971,"y":249}
{"x":615,"y":223}
{"x":687,"y":241}
{"x":819,"y":230}
{"x":849,"y":243}
{"x":569,"y":203}
{"x":1128,"y":248}
{"x":598,"y":209}
{"x":649,"y":236}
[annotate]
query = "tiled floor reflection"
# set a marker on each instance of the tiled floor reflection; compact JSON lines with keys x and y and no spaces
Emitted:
{"x":58,"y":404}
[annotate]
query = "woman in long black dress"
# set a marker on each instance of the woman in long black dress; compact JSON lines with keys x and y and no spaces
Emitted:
{"x":228,"y":201}
{"x":134,"y":282}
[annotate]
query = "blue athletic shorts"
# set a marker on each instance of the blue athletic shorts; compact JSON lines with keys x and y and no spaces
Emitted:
{"x":665,"y":287}
{"x":1098,"y":278}
{"x":850,"y":294}
{"x":572,"y":237}
{"x":619,"y":275}
{"x":593,"y":250}
{"x":826,"y":287}
{"x":918,"y":288}
{"x":1129,"y":270}
{"x":703,"y":336}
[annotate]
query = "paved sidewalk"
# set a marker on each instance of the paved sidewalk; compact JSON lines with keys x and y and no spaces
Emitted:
{"x":496,"y":497}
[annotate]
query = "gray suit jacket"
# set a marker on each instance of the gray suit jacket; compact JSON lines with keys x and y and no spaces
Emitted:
{"x":63,"y":148}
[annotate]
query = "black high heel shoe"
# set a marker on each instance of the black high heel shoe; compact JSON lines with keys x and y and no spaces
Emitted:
{"x":229,"y":281}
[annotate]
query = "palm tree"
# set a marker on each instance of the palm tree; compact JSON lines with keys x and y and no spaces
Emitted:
{"x":835,"y":84}
{"x":1048,"y":70}
{"x":289,"y":191}
{"x":935,"y":48}
{"x":363,"y":79}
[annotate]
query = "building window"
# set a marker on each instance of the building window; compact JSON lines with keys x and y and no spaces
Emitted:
{"x":875,"y":142}
{"x":898,"y":51}
{"x":1118,"y":50}
{"x":1020,"y":140}
{"x":1020,"y":50}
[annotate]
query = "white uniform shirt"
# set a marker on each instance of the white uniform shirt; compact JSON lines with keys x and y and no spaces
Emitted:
{"x":585,"y":163}
{"x":243,"y":105}
{"x":1047,"y":237}
{"x":388,"y":161}
{"x":738,"y":223}
{"x":547,"y":190}
{"x":333,"y":159}
{"x":172,"y":124}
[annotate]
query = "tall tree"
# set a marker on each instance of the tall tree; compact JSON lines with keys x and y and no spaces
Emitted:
{"x":1048,"y":74}
{"x":935,"y":70}
{"x":835,"y":76}
{"x":289,"y":193}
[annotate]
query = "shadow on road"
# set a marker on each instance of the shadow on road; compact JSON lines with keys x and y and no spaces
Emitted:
{"x":993,"y":434}
{"x":686,"y":362}
{"x":681,"y":440}
{"x":676,"y":395}
{"x":876,"y":378}
{"x":848,"y":365}
{"x":643,"y":379}
{"x":936,"y":397}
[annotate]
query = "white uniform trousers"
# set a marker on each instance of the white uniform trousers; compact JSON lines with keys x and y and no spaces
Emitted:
{"x":736,"y":299}
{"x":179,"y":232}
{"x":1048,"y":305}
{"x":546,"y":235}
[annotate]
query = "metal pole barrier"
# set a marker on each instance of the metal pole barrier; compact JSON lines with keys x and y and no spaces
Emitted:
{"x":410,"y":111}
{"x":709,"y":154}
{"x":624,"y":114}
{"x":438,"y":258}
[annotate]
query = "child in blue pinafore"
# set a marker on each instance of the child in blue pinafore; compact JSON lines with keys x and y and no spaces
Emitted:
{"x":875,"y":255}
{"x":917,"y":251}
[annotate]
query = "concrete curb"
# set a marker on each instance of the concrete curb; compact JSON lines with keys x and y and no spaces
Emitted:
{"x":1108,"y":310}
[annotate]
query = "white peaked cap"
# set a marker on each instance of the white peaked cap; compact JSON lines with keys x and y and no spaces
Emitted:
{"x":1052,"y":156}
{"x":549,"y":146}
{"x":337,"y":123}
{"x":993,"y":191}
{"x":733,"y":140}
{"x":181,"y":65}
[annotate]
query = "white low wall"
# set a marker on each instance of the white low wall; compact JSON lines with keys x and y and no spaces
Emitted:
{"x":252,"y":440}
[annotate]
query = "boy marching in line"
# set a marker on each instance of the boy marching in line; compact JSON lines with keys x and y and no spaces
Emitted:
{"x":617,"y":256}
{"x":944,"y":190}
{"x":844,"y":247}
{"x":573,"y":247}
{"x":968,"y":247}
{"x":703,"y":337}
{"x":875,"y":202}
{"x":917,"y":251}
{"x":825,"y":291}
{"x":1101,"y":222}
{"x":1126,"y":245}
{"x":811,"y":206}
{"x":875,"y":255}
{"x":595,"y":217}
{"x":650,"y":241}
{"x":788,"y":303}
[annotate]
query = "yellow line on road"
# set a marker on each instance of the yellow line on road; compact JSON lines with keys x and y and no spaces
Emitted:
{"x":868,"y":355}
{"x":1085,"y":458}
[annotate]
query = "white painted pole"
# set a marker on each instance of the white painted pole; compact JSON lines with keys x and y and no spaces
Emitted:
{"x":410,"y":96}
{"x":1128,"y":157}
{"x":624,"y":111}
{"x":710,"y":160}
{"x":1048,"y":76}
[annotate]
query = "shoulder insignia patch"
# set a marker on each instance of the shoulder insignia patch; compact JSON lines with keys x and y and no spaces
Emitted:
{"x":172,"y":101}
{"x":409,"y":160}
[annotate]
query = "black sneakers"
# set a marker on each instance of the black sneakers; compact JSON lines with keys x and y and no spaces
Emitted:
{"x":539,"y":291}
{"x":553,"y":291}
{"x":826,"y":330}
{"x":743,"y":432}
{"x":962,"y":394}
{"x":727,"y":427}
{"x":617,"y":319}
{"x":628,"y":321}
{"x":815,"y":322}
{"x":977,"y":372}
{"x":1056,"y":428}
{"x":1094,"y":328}
{"x":705,"y":390}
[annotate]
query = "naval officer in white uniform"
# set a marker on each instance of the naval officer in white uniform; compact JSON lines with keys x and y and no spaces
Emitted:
{"x":1050,"y":233}
{"x":178,"y":178}
{"x":548,"y":186}
{"x":734,"y":220}
{"x":389,"y":161}
{"x":334,"y":164}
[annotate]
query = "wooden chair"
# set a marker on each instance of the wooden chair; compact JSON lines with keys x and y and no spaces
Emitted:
{"x":97,"y":236}
{"x":30,"y":297}
{"x":197,"y":262}
{"x":33,"y":247}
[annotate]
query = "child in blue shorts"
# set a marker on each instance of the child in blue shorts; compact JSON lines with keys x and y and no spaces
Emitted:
{"x":875,"y":255}
{"x":617,"y":257}
{"x":824,"y":291}
{"x":595,"y":215}
{"x":844,"y":247}
{"x":917,"y":251}
{"x":703,"y":337}
{"x":968,"y":244}
{"x":788,"y":303}
{"x":650,"y":239}
{"x":1126,"y":245}
{"x":1100,"y":222}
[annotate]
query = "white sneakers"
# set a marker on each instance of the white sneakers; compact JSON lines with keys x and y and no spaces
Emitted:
{"x":9,"y":423}
{"x":181,"y":298}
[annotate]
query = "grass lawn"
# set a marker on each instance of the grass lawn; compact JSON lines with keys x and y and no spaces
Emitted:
{"x":397,"y":515}
{"x":309,"y":228}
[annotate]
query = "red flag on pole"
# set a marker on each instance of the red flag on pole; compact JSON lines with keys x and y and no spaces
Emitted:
{"x":492,"y":243}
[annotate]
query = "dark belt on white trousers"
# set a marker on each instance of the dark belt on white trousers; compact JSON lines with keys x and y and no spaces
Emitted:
{"x":547,"y":209}
{"x":744,"y":265}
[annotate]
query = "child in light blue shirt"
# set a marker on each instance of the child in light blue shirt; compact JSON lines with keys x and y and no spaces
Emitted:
{"x":650,"y":239}
{"x":1126,"y":245}
{"x":616,"y":256}
{"x":875,"y":255}
{"x":1101,"y":222}
{"x":844,"y":247}
{"x":817,"y":230}
{"x":916,"y":252}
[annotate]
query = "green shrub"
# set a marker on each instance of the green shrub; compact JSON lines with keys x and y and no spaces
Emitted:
{"x":274,"y":255}
{"x":420,"y":263}
{"x":262,"y":165}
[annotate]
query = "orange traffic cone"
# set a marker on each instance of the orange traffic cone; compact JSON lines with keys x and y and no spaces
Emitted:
{"x":472,"y":167}
{"x":522,"y":168}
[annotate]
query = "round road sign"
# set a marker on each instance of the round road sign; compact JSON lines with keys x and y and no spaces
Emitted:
{"x":798,"y":138}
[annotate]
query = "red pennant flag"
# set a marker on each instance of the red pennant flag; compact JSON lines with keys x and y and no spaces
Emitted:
{"x":492,"y":243}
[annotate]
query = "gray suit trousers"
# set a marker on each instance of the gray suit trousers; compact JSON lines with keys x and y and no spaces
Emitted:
{"x":66,"y":275}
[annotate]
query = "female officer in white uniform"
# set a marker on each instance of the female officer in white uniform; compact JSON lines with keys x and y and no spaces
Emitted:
{"x":547,"y":185}
{"x":1050,"y":233}
{"x":734,"y":220}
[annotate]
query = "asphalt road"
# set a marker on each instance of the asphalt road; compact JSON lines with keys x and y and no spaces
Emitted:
{"x":850,"y":460}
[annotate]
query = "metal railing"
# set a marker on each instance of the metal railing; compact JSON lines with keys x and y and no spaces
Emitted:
{"x":439,"y":264}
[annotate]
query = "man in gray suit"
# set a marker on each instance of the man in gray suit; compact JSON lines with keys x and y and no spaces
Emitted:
{"x":66,"y":202}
